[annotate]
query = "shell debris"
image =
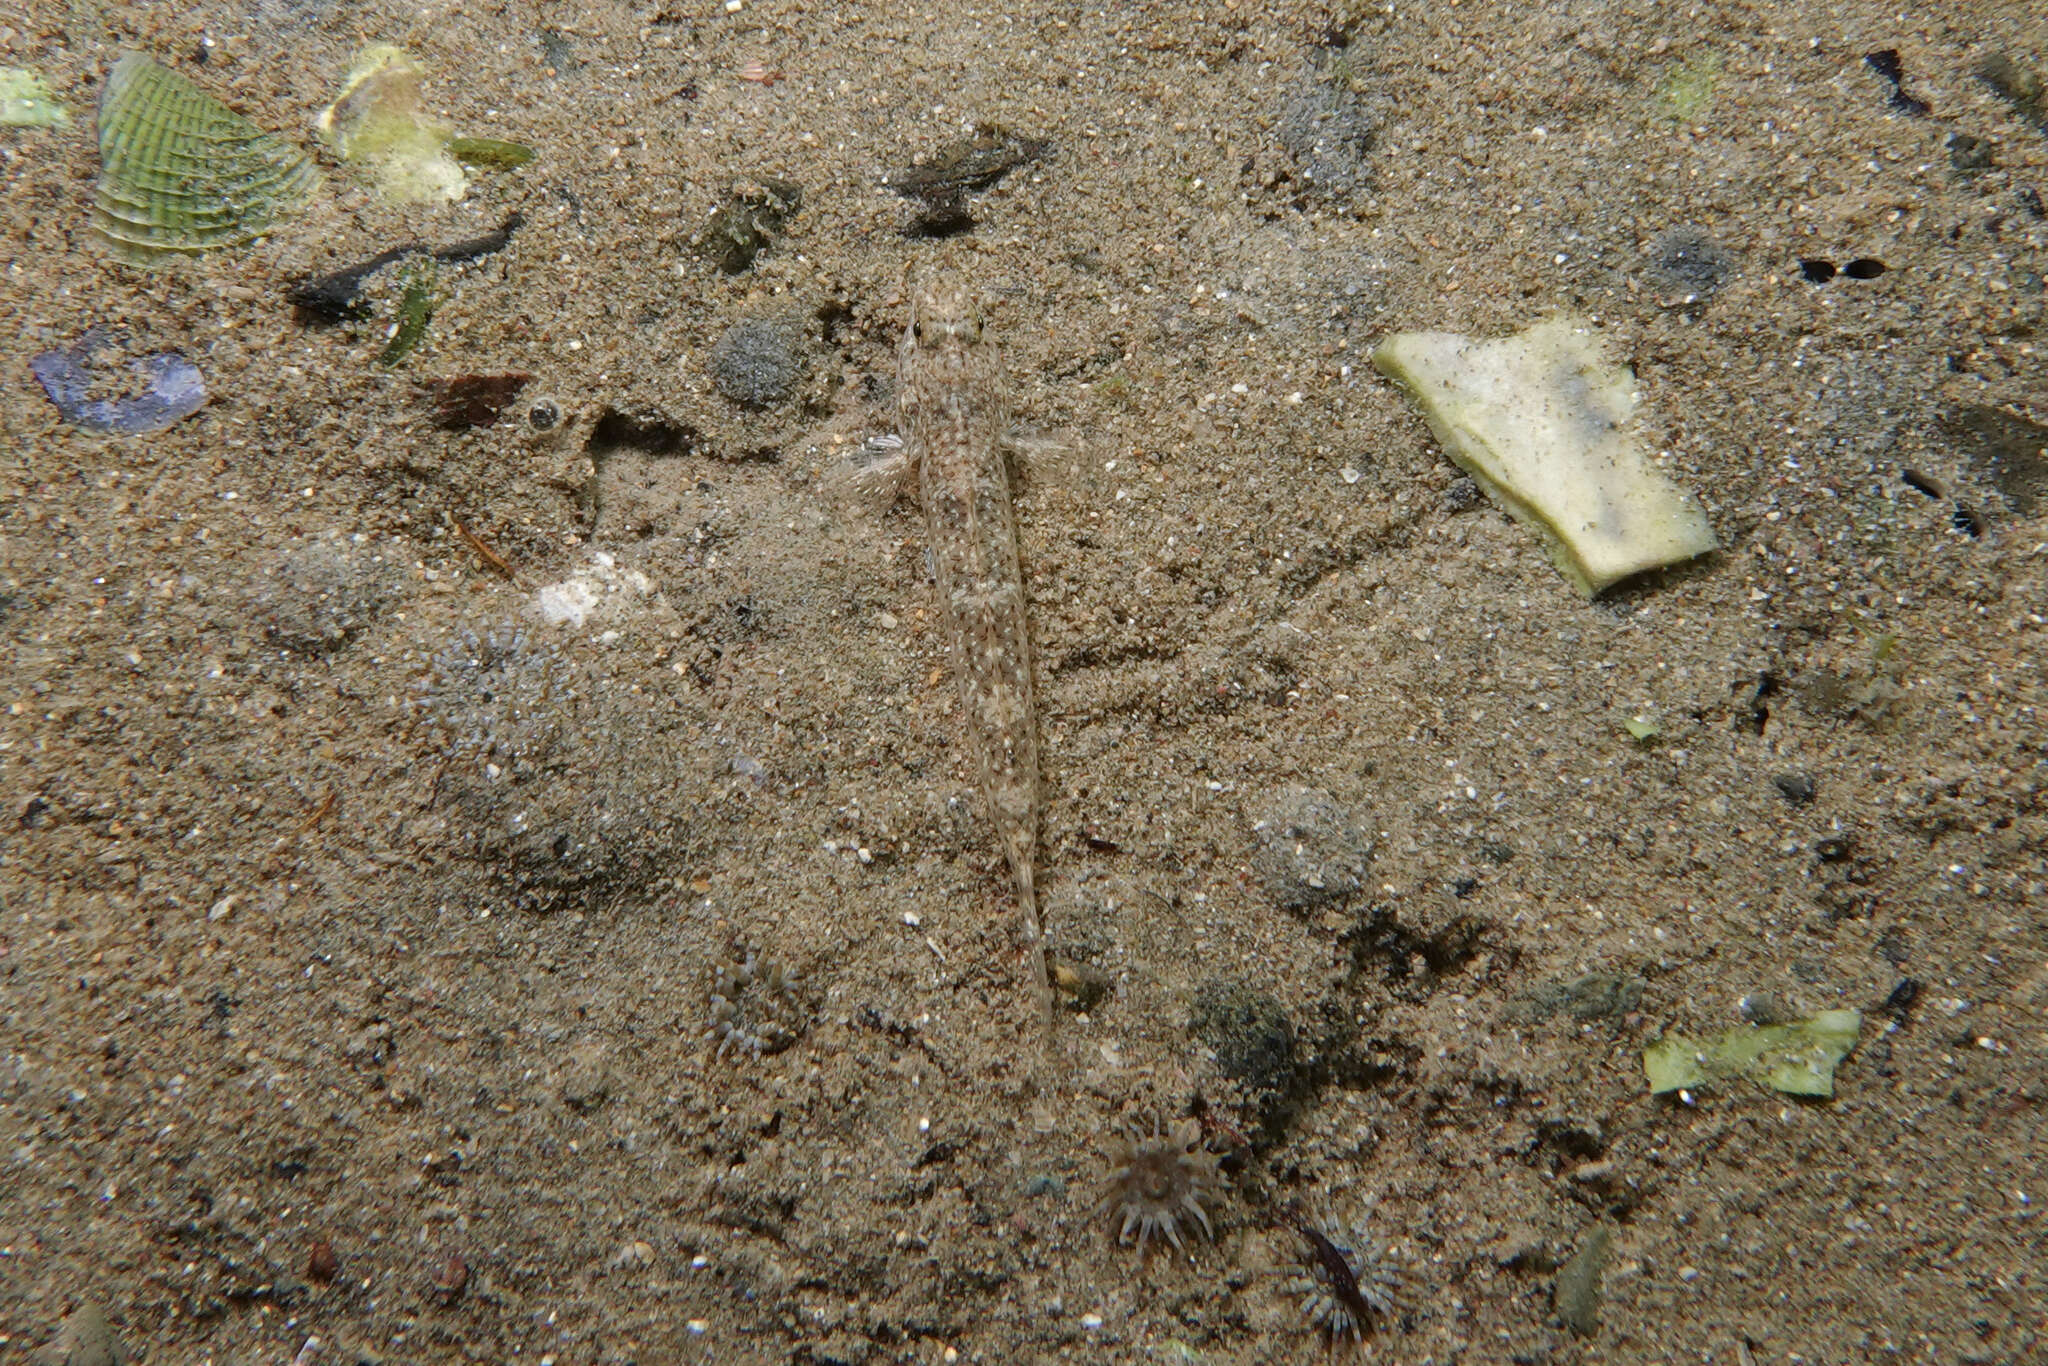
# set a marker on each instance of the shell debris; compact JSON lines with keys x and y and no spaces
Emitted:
{"x":182,"y":173}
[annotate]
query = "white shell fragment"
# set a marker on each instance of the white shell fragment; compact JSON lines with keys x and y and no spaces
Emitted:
{"x":1541,"y":421}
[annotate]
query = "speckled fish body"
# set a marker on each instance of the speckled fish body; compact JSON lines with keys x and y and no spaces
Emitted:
{"x":952,"y":414}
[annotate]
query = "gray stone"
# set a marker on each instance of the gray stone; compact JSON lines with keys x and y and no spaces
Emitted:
{"x":757,"y":363}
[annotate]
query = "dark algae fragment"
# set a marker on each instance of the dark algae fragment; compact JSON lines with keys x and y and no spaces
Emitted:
{"x":324,"y":300}
{"x":476,"y":248}
{"x":336,"y":297}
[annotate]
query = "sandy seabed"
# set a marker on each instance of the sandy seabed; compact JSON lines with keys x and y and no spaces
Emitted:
{"x":360,"y":926}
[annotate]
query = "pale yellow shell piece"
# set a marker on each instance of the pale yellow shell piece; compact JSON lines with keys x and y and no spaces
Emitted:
{"x":1541,"y":421}
{"x":377,"y":122}
{"x":180,"y":172}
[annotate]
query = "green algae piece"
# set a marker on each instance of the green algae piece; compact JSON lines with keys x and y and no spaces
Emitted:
{"x":181,"y":173}
{"x":1687,"y":90}
{"x":26,"y":101}
{"x":415,"y":311}
{"x":493,"y":153}
{"x":1797,"y":1058}
{"x":1541,"y":421}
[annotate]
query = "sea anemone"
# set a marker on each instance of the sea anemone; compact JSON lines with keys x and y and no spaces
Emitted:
{"x":1159,"y":1180}
{"x":754,"y":1008}
{"x":1343,"y":1284}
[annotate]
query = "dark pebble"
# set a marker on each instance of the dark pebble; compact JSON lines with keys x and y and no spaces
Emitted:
{"x":1253,"y":1040}
{"x":1687,"y":260}
{"x":1833,"y":848}
{"x":1967,"y":152}
{"x":1462,"y":496}
{"x":1797,"y":788}
{"x":450,"y":1280}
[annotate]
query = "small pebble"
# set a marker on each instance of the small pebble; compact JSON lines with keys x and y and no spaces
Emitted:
{"x":1796,"y":788}
{"x":1688,"y":263}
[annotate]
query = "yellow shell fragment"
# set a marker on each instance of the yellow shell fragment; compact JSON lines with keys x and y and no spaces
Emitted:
{"x":376,"y":122}
{"x":1540,"y":420}
{"x":180,"y":172}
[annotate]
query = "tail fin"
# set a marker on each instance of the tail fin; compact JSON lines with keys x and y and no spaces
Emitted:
{"x":1027,"y":905}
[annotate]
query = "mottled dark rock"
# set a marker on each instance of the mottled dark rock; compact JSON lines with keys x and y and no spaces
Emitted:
{"x":1254,"y":1043}
{"x":752,"y":217}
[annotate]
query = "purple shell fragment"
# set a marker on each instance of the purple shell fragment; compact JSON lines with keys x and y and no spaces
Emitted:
{"x":176,"y":389}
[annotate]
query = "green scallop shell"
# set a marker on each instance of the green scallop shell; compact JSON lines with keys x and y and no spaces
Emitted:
{"x":180,"y":172}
